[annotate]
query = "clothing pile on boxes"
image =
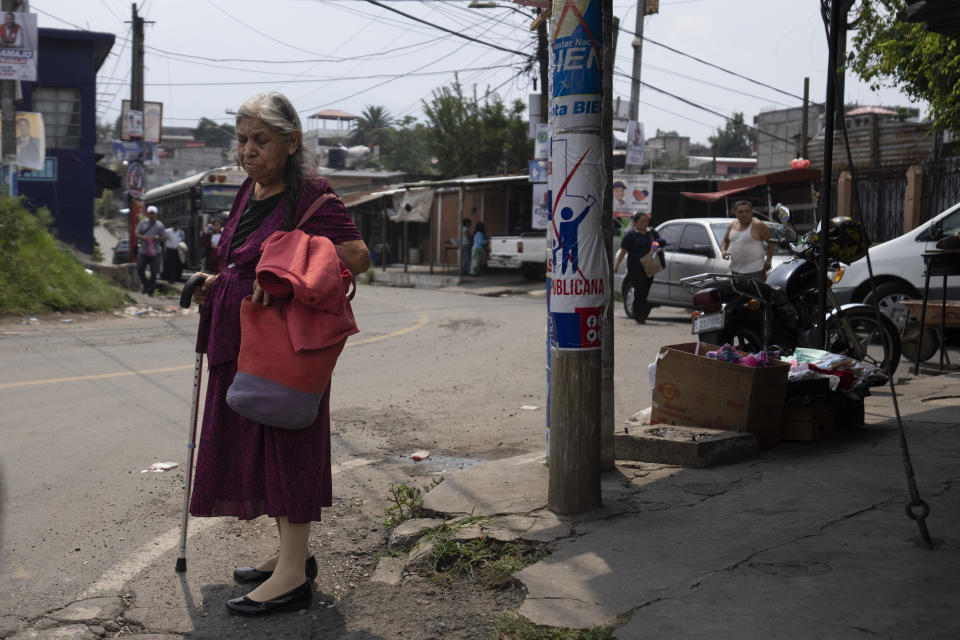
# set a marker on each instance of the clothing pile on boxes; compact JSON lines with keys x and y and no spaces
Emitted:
{"x":802,"y":396}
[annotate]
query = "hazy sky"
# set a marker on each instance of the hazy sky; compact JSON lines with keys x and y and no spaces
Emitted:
{"x":204,"y":57}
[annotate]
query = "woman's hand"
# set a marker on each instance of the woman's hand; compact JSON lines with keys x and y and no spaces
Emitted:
{"x":260,"y":296}
{"x":200,"y":293}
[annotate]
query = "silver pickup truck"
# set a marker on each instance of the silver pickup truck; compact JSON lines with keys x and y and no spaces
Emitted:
{"x":526,"y":252}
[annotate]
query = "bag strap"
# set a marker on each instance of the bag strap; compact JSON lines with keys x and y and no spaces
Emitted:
{"x":319,"y":202}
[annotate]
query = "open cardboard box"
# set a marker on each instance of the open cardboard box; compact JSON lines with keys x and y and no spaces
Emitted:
{"x":692,"y":389}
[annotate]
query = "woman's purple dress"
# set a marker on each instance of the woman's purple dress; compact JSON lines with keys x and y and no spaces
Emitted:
{"x":244,"y":468}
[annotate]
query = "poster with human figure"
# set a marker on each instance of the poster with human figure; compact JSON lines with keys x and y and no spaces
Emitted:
{"x":636,"y":143}
{"x":31,"y":140}
{"x":18,"y":46}
{"x":635,"y":194}
{"x":577,"y":262}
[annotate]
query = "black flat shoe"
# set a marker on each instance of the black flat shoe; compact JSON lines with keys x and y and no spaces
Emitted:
{"x":294,"y":600}
{"x":249,"y":575}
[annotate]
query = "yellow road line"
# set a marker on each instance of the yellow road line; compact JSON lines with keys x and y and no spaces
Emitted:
{"x":422,"y":319}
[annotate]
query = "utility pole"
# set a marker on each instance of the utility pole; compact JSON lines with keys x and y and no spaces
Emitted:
{"x":804,"y":120}
{"x":543,"y":60}
{"x":607,"y":451}
{"x":637,"y":45}
{"x":8,"y":97}
{"x":580,"y":272}
{"x":136,"y":104}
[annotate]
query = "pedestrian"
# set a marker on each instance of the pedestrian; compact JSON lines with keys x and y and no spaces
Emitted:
{"x":748,"y":244}
{"x":466,"y":246}
{"x":150,"y":234}
{"x":246,"y":469}
{"x":212,"y":241}
{"x":172,"y":268}
{"x":478,"y":255}
{"x":636,"y":244}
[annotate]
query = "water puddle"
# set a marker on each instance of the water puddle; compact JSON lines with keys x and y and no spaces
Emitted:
{"x":439,"y":464}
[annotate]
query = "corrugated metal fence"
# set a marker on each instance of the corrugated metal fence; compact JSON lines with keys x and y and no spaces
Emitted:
{"x":880,"y":195}
{"x":941,"y":186}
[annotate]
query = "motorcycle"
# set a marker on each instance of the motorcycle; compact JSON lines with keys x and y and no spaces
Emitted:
{"x":753,"y":315}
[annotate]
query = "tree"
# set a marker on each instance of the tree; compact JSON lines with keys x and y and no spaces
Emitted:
{"x":735,"y":140}
{"x":407,"y":149}
{"x":374,"y":127}
{"x":215,"y":135}
{"x":468,"y":137}
{"x":924,"y":65}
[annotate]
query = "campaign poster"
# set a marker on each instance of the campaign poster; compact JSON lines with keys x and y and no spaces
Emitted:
{"x":577,"y":264}
{"x":575,"y":65}
{"x":636,"y":142}
{"x":18,"y":46}
{"x":541,"y":207}
{"x":31,"y":140}
{"x":143,"y":125}
{"x":632,"y":193}
{"x":541,"y":147}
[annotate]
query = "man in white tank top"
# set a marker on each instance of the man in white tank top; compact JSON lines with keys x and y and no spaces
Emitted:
{"x":748,"y":243}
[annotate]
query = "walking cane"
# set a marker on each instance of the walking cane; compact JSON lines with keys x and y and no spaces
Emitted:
{"x":186,"y":297}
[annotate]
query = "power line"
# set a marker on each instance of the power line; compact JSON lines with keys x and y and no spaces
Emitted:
{"x":710,"y":64}
{"x":459,"y":35}
{"x":702,"y":108}
{"x":314,"y":79}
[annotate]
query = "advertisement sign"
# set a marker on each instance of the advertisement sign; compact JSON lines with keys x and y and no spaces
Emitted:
{"x":574,"y":65}
{"x":636,"y":143}
{"x":18,"y":47}
{"x":136,"y":180}
{"x":31,"y":140}
{"x":538,"y":170}
{"x":127,"y":151}
{"x":541,"y":207}
{"x":577,"y":263}
{"x":541,"y":145}
{"x":632,"y":193}
{"x":144,"y":125}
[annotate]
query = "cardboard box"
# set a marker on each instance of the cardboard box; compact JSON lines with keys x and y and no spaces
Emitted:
{"x":695,"y":390}
{"x":807,"y":422}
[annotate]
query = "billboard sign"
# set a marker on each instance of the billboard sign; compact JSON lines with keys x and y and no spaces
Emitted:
{"x":18,"y":46}
{"x":575,"y":64}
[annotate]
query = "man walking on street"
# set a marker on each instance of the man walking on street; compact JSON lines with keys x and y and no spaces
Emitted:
{"x":150,"y":234}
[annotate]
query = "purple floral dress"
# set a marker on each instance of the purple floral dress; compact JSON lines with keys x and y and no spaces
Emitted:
{"x":244,"y":468}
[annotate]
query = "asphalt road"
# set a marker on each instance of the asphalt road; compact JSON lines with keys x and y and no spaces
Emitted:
{"x":91,"y":403}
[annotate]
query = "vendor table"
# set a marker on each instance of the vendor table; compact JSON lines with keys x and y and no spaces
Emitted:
{"x":938,"y":263}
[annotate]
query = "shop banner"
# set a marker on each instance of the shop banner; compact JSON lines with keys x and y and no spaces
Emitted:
{"x":18,"y":46}
{"x":632,"y":193}
{"x":575,"y":64}
{"x":577,"y":264}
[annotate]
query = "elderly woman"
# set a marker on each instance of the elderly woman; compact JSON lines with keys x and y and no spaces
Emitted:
{"x":246,"y":469}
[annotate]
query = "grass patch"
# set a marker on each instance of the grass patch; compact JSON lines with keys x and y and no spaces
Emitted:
{"x":37,"y":274}
{"x":487,"y":561}
{"x":512,"y":626}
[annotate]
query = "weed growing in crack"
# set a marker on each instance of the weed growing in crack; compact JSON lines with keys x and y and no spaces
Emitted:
{"x":406,"y":503}
{"x":510,"y":625}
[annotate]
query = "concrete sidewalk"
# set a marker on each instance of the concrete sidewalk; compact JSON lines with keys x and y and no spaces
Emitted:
{"x":808,"y":540}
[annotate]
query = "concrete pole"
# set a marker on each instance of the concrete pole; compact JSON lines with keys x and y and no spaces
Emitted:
{"x":136,"y":103}
{"x":607,"y":453}
{"x":8,"y":97}
{"x":637,"y":45}
{"x":804,"y":119}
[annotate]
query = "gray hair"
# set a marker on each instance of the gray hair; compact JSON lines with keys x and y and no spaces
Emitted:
{"x":277,"y":112}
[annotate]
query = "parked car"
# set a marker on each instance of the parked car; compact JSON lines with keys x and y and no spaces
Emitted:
{"x":693,"y":247}
{"x":121,"y":251}
{"x":898,"y":269}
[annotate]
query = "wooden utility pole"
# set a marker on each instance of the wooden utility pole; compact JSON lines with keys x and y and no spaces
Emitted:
{"x":607,"y":452}
{"x":580,"y":269}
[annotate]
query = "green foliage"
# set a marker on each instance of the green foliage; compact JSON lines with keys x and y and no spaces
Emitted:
{"x":215,"y":135}
{"x":104,"y":207}
{"x":924,"y":65}
{"x":374,"y":127}
{"x":735,"y":140}
{"x":407,"y":149}
{"x":37,"y":275}
{"x":472,"y":137}
{"x":512,"y":626}
{"x":406,"y":503}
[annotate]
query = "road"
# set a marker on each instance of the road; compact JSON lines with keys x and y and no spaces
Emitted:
{"x":90,"y":404}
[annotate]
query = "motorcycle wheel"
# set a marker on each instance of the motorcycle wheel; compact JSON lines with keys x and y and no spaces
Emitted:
{"x":878,"y":345}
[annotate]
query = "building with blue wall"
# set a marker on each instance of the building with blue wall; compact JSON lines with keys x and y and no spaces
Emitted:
{"x":65,"y":93}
